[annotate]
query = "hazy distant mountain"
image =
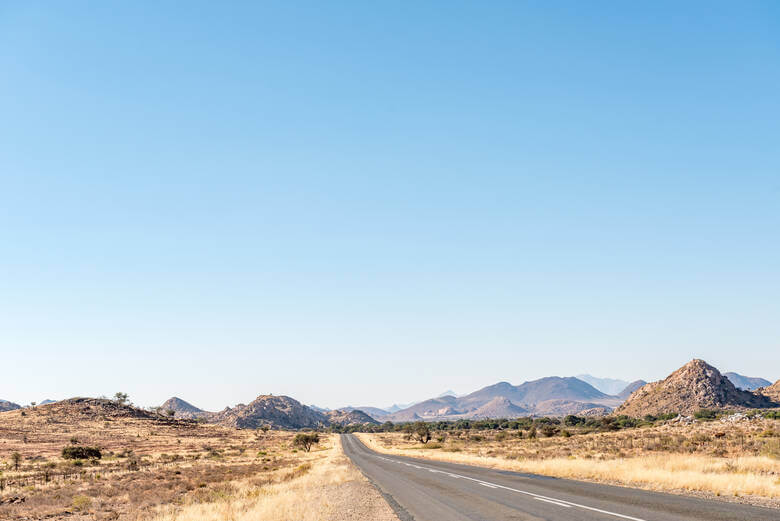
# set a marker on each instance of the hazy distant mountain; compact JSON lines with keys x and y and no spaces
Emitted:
{"x":47,"y":402}
{"x":374,"y":412}
{"x":398,"y":407}
{"x":181,"y":409}
{"x":696,"y":385}
{"x":406,"y":415}
{"x":427,"y":409}
{"x":319,"y":409}
{"x":530,"y":393}
{"x":5,"y":405}
{"x":448,"y":393}
{"x":569,"y":395}
{"x":610,"y":386}
{"x":630,"y":388}
{"x":746,"y":383}
{"x":499,"y":407}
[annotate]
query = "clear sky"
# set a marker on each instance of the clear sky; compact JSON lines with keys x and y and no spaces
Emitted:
{"x":372,"y":202}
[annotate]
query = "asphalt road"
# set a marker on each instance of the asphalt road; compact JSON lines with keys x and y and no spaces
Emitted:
{"x":426,"y":490}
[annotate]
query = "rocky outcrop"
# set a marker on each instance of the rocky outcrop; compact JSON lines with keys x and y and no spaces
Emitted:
{"x":696,"y":385}
{"x":772,"y":392}
{"x":352,"y":417}
{"x":281,"y":412}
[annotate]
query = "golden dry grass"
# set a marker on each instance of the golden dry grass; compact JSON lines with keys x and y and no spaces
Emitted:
{"x":317,"y":495}
{"x":711,"y":458}
{"x":162,"y":468}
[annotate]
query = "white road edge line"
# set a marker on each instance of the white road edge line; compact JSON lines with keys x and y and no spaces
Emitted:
{"x":553,"y":502}
{"x":561,"y":502}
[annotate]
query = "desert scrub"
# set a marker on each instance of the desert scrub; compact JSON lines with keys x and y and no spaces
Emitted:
{"x":81,"y":503}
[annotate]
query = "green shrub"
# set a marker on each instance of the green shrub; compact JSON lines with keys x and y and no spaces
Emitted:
{"x":705,"y":414}
{"x":305,"y":440}
{"x":79,"y":452}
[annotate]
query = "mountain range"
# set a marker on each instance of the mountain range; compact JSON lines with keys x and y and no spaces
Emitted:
{"x":550,"y":395}
{"x":694,"y":386}
{"x":281,"y":412}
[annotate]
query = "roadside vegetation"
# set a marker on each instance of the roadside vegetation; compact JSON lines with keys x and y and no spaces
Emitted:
{"x":720,"y":454}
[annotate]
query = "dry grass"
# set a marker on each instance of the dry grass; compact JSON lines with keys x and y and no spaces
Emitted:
{"x":162,"y":469}
{"x":319,"y":494}
{"x":740,"y":460}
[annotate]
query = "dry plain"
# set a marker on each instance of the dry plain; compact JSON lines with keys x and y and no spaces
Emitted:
{"x":155,"y":468}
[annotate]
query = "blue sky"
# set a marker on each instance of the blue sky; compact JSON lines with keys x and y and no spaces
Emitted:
{"x":367,"y":203}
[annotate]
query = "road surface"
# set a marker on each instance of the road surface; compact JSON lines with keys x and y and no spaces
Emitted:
{"x":426,"y":490}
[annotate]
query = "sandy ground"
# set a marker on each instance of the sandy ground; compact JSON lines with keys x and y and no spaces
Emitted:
{"x":357,"y":501}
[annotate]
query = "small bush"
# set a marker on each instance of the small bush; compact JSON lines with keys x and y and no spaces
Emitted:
{"x":81,"y":503}
{"x":78,"y":452}
{"x":705,"y":414}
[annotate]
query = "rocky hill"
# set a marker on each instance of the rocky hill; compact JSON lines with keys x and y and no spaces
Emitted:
{"x":696,"y":385}
{"x":78,"y":409}
{"x":772,"y":391}
{"x":747,"y":383}
{"x":182,"y":409}
{"x":281,"y":412}
{"x":5,"y":405}
{"x":353,"y":417}
{"x":630,"y":388}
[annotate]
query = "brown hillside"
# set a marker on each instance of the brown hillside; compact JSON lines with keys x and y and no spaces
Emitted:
{"x":74,"y":409}
{"x":696,"y":385}
{"x":772,"y":391}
